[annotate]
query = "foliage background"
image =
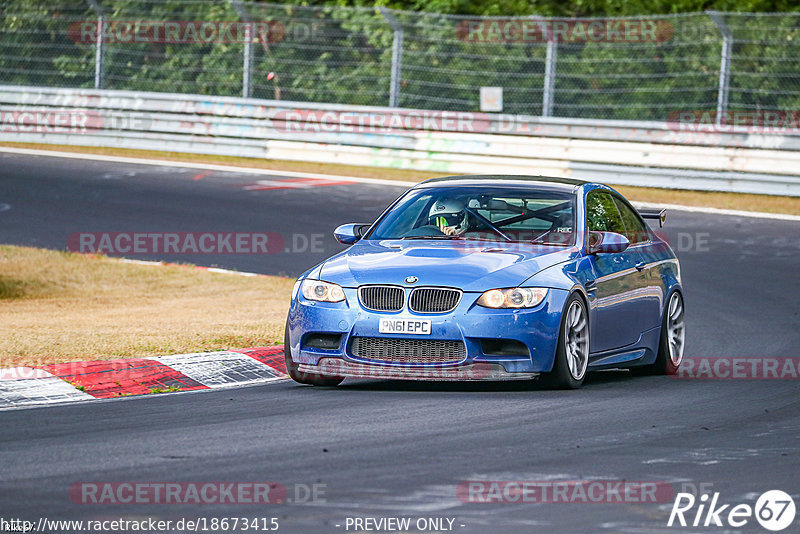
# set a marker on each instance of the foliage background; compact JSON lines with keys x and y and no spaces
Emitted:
{"x":340,"y":51}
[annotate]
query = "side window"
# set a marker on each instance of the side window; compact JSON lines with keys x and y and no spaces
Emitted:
{"x":635,"y":230}
{"x":602,"y":214}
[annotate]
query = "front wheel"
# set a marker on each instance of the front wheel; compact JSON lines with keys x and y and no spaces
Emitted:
{"x":572,"y":352}
{"x":311,"y":379}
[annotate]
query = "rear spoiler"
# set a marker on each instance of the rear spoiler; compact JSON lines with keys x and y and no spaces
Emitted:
{"x":654,"y":213}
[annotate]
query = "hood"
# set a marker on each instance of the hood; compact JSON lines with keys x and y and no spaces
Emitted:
{"x":468,"y":265}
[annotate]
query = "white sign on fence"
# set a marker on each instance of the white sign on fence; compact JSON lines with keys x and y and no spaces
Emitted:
{"x":491,"y":99}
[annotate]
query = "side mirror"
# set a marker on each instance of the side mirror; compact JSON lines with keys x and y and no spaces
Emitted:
{"x":347,"y":234}
{"x":607,"y":243}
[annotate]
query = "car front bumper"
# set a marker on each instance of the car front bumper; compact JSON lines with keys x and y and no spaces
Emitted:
{"x":472,"y":372}
{"x":536,"y":329}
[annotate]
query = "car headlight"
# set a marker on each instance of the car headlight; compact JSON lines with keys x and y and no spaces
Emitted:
{"x":517,"y":297}
{"x":322,"y":291}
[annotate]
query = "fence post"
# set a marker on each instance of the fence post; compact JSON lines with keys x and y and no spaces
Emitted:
{"x":724,"y":64}
{"x":397,"y":57}
{"x":247,"y":67}
{"x":247,"y":60}
{"x":548,"y":91}
{"x":99,"y":56}
{"x":549,"y":77}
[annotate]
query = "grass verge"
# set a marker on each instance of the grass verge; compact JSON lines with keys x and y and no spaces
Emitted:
{"x":734,"y":201}
{"x":60,"y":307}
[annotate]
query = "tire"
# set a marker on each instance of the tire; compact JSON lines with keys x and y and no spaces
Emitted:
{"x":310,"y":379}
{"x":671,"y":341}
{"x":572,"y":351}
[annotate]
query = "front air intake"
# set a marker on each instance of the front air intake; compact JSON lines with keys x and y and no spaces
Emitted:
{"x":393,"y":350}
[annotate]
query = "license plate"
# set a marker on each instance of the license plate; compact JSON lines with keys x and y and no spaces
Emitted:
{"x":405,"y":326}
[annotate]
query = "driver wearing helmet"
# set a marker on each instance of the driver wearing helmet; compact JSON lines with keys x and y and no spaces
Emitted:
{"x":449,"y":216}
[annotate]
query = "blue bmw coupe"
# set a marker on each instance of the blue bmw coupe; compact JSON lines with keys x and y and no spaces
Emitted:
{"x":491,"y":278}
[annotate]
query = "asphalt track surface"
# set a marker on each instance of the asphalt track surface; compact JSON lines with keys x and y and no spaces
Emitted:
{"x":389,"y":449}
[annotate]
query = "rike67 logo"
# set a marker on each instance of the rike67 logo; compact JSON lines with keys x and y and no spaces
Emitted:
{"x":774,"y":510}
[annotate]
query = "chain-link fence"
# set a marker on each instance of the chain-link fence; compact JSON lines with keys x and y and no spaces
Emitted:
{"x":643,"y":68}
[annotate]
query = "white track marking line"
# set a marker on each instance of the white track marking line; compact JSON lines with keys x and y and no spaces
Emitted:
{"x":217,"y":270}
{"x":205,"y":166}
{"x":376,"y":181}
{"x":228,"y":271}
{"x":141,"y":262}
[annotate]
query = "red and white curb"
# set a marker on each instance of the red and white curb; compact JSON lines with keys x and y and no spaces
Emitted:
{"x":59,"y":383}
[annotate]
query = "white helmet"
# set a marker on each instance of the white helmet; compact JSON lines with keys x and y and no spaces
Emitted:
{"x":448,"y":212}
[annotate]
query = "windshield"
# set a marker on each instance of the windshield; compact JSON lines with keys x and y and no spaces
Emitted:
{"x":498,"y":214}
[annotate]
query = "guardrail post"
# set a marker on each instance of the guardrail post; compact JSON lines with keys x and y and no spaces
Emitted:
{"x":99,"y":56}
{"x":724,"y":64}
{"x":397,"y":57}
{"x":247,"y":65}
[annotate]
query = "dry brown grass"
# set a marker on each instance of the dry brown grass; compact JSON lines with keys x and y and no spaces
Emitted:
{"x":59,"y":307}
{"x":736,"y":201}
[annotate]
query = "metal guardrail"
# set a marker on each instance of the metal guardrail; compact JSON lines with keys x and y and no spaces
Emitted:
{"x":629,"y":153}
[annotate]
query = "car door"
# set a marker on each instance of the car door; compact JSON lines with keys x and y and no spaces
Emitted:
{"x":613,"y":319}
{"x":648,"y":302}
